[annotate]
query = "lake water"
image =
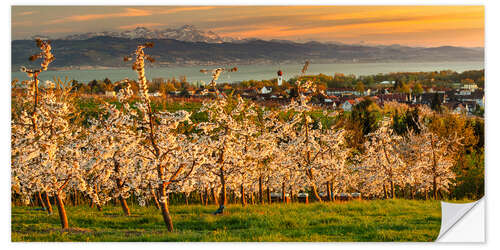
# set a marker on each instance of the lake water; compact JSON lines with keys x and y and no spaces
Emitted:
{"x":255,"y":72}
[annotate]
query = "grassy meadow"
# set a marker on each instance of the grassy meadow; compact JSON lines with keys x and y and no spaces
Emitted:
{"x":378,"y":220}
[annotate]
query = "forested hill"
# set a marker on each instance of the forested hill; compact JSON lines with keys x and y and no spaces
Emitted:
{"x":109,"y":52}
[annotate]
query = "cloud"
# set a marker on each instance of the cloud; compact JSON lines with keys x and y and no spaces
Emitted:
{"x":132,"y":26}
{"x":322,"y":23}
{"x":468,"y":37}
{"x":55,"y":31}
{"x":129,"y":12}
{"x":327,"y":26}
{"x":177,"y":10}
{"x":27,"y":13}
{"x":431,"y":34}
{"x":393,"y":18}
{"x":23,"y":23}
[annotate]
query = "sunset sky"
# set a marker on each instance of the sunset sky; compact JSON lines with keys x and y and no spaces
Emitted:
{"x":406,"y":25}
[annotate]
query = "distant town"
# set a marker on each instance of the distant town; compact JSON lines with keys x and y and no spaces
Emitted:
{"x":457,"y":92}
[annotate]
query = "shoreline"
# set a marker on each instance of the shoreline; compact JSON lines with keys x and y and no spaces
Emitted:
{"x":160,"y":66}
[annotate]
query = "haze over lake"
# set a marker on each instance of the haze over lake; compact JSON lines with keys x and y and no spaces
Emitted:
{"x":254,"y":72}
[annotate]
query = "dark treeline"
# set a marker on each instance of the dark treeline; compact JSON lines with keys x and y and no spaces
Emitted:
{"x":444,"y":78}
{"x":399,"y":81}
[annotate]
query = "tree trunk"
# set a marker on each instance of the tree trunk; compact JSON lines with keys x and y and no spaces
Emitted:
{"x":223,"y":198}
{"x":166,"y":216}
{"x":96,"y":190}
{"x":119,"y":185}
{"x":441,"y":195}
{"x":434,"y":188}
{"x":223,"y":195}
{"x":206,"y":196}
{"x":392,"y":190}
{"x":291,"y":194}
{"x":385,"y":191}
{"x":47,"y":202}
{"x":62,"y":212}
{"x":329,"y":190}
{"x":214,"y":197}
{"x":261,"y":191}
{"x":315,"y":192}
{"x":155,"y":198}
{"x":75,"y":195}
{"x":243,"y":200}
{"x":283,"y":194}
{"x":309,"y":174}
{"x":202,"y":201}
{"x":125,"y":208}
{"x":77,"y":198}
{"x":268,"y":195}
{"x":164,"y":207}
{"x":40,"y":200}
{"x":186,"y":198}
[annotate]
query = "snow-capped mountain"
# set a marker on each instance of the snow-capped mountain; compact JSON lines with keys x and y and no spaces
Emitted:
{"x":188,"y":33}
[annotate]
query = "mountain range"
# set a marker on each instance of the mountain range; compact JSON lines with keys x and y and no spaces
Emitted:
{"x":188,"y":45}
{"x":187,"y":33}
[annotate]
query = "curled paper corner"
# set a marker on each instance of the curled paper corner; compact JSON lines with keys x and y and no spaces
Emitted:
{"x":462,"y":222}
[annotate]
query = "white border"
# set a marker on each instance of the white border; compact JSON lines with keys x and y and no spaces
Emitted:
{"x":492,"y":117}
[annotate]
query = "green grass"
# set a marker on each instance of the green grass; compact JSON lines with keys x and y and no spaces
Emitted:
{"x":391,"y":220}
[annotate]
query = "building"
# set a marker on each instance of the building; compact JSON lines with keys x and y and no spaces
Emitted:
{"x":347,"y":105}
{"x":457,"y":108}
{"x":280,"y":77}
{"x":156,"y":94}
{"x":266,"y":90}
{"x":471,"y":87}
{"x":340,"y":91}
{"x":387,"y":82}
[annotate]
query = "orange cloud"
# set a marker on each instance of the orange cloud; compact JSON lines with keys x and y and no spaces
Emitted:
{"x":176,"y":10}
{"x":321,"y":23}
{"x":327,"y":26}
{"x":128,"y":12}
{"x":407,"y":11}
{"x":23,"y":23}
{"x":147,"y":25}
{"x":27,"y":13}
{"x":51,"y":31}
